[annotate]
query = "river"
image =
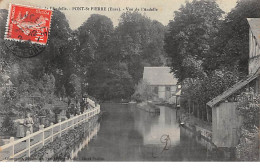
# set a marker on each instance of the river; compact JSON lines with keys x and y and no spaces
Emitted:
{"x":130,"y":134}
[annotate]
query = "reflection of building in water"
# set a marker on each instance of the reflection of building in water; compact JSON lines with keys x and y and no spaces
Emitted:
{"x":153,"y":127}
{"x":169,"y":118}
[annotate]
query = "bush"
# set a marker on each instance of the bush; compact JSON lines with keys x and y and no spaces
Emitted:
{"x":143,"y":92}
{"x":8,"y":125}
{"x":248,"y":108}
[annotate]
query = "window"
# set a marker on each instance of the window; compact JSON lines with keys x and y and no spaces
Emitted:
{"x":168,"y":88}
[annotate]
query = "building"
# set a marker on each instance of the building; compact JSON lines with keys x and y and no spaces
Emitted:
{"x":225,"y":119}
{"x":162,"y":82}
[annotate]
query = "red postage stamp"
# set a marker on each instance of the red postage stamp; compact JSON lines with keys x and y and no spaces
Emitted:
{"x":28,"y":24}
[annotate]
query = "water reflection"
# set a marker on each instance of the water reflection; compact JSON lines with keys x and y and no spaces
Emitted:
{"x":130,"y":134}
{"x":152,"y":126}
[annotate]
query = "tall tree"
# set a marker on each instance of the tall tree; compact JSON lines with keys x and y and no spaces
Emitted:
{"x":232,"y":44}
{"x":190,"y":37}
{"x":141,"y":42}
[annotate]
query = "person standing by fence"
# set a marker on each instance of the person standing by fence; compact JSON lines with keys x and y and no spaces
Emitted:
{"x":20,"y":132}
{"x":28,"y":122}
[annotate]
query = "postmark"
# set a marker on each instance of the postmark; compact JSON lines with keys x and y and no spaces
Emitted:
{"x":24,"y":49}
{"x":28,"y":24}
{"x":27,"y":30}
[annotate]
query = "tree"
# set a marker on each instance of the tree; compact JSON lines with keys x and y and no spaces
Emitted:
{"x":142,"y":92}
{"x":140,"y":42}
{"x":190,"y":36}
{"x":202,"y":90}
{"x":75,"y":86}
{"x":232,"y":44}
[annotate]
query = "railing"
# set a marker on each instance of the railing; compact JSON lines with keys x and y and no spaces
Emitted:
{"x":74,"y":153}
{"x":91,"y":102}
{"x":24,"y":147}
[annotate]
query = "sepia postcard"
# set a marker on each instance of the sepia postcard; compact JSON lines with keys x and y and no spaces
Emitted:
{"x":129,"y":80}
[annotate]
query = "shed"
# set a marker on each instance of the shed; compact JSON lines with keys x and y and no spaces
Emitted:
{"x":225,"y":119}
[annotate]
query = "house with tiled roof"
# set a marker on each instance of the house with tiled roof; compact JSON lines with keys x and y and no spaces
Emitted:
{"x":225,"y":119}
{"x":162,"y":82}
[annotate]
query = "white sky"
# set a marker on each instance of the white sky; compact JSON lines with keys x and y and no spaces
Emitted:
{"x":76,"y":18}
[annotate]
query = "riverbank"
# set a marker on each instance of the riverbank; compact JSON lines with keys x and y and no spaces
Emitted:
{"x":191,"y":120}
{"x":148,"y":107}
{"x":61,"y":147}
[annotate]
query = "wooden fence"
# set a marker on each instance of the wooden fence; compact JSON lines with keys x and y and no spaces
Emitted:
{"x":25,"y":146}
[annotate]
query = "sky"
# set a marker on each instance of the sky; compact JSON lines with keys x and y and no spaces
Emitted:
{"x":164,"y":13}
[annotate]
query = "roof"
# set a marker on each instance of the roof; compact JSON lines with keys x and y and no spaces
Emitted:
{"x":233,"y":89}
{"x":159,"y":76}
{"x":254,"y":24}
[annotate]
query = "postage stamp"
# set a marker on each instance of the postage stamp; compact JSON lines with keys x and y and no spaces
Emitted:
{"x":26,"y":23}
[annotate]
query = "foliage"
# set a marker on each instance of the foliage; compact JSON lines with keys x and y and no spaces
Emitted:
{"x":231,"y":48}
{"x":143,"y":92}
{"x":203,"y":90}
{"x":114,"y":58}
{"x":140,"y":43}
{"x":57,"y":110}
{"x":61,"y":147}
{"x":248,"y":108}
{"x":248,"y":148}
{"x":190,"y":37}
{"x":8,"y":125}
{"x":75,"y":86}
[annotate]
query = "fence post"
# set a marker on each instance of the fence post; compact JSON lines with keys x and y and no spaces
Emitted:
{"x":72,"y":123}
{"x":76,"y":120}
{"x":67,"y":125}
{"x":42,"y":128}
{"x":28,"y":144}
{"x":51,"y":132}
{"x":59,"y":127}
{"x":12,"y":150}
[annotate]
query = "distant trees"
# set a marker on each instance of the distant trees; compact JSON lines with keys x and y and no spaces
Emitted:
{"x":115,"y":57}
{"x":141,"y":43}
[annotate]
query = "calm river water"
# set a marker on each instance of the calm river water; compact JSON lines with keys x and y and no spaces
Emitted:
{"x":130,"y":134}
